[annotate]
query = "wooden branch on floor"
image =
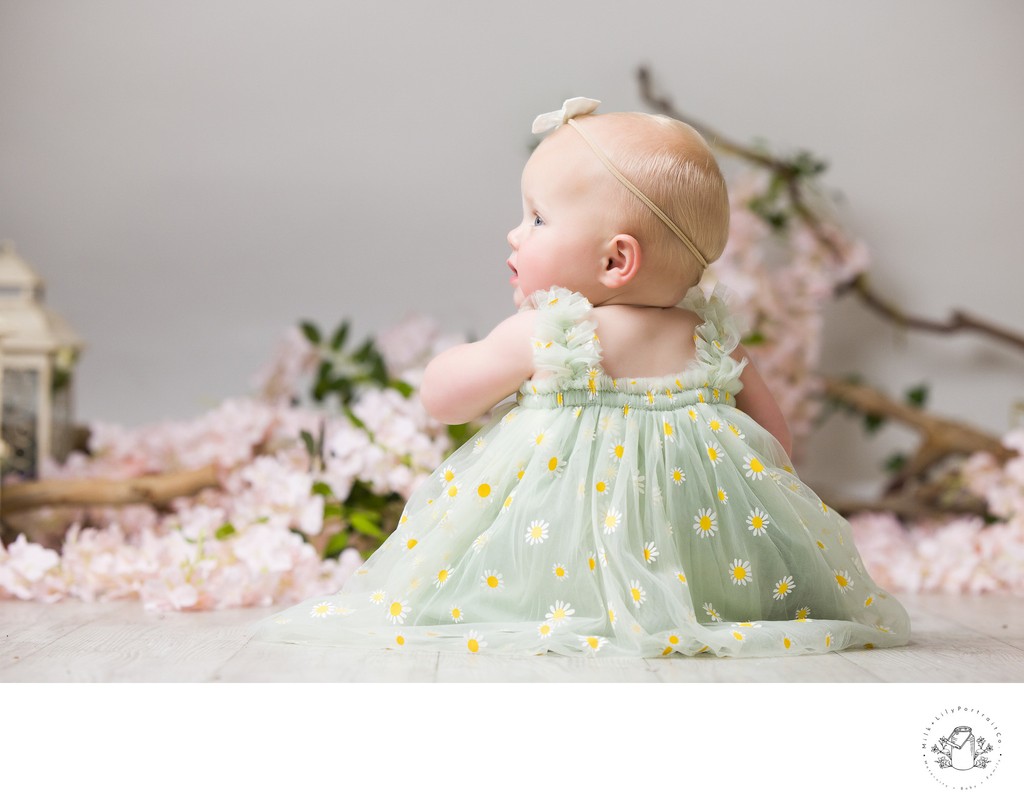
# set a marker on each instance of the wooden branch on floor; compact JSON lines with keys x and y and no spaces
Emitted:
{"x":156,"y":490}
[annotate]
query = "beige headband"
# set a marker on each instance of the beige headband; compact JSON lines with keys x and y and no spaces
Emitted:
{"x":584,"y":106}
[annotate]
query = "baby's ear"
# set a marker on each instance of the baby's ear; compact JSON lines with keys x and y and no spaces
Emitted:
{"x":622,"y":261}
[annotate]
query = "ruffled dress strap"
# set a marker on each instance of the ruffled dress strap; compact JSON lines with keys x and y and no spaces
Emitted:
{"x":565,"y":343}
{"x":717,"y":337}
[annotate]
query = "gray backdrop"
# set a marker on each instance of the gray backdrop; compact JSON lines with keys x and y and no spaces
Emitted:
{"x":192,"y":177}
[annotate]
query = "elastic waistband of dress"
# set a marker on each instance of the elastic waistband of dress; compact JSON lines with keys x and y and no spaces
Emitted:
{"x":650,"y":399}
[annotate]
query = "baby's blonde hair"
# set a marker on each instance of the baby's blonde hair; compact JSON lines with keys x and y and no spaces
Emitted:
{"x":673,"y":165}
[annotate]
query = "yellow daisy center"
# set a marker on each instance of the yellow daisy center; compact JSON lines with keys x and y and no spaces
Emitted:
{"x":842,"y":580}
{"x":681,"y":577}
{"x":449,"y":476}
{"x":757,"y":522}
{"x":673,"y":639}
{"x":473,"y":645}
{"x":756,"y":466}
{"x":593,"y":643}
{"x":705,"y":523}
{"x":739,"y":572}
{"x":536,"y":532}
{"x":558,"y":614}
{"x":601,"y":486}
{"x":539,"y":439}
{"x":400,"y":640}
{"x":453,"y":490}
{"x":647,"y":554}
{"x":787,"y":642}
{"x":442,"y":575}
{"x":783,"y":587}
{"x":545,"y":629}
{"x":712,"y":453}
{"x":737,"y":634}
{"x":611,"y":521}
{"x":715,"y":425}
{"x":635,"y":593}
{"x":456,"y":613}
{"x":619,"y":450}
{"x":396,"y":608}
{"x":559,"y":571}
{"x":508,"y":501}
{"x":492,"y":581}
{"x":668,"y":428}
{"x":411,"y":543}
{"x":553,"y":464}
{"x":484,"y":490}
{"x":677,"y":476}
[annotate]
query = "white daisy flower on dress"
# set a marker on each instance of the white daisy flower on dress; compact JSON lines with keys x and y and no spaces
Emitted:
{"x":451,"y":492}
{"x":803,"y":613}
{"x":481,"y":540}
{"x":715,"y":425}
{"x":592,"y":643}
{"x":508,"y":502}
{"x":755,"y":470}
{"x":705,"y":522}
{"x":485,"y":493}
{"x":739,"y":571}
{"x":843,"y":579}
{"x":692,"y":413}
{"x":474,"y":641}
{"x":545,"y":630}
{"x":656,"y":496}
{"x":711,"y":611}
{"x":681,"y":576}
{"x":603,"y":557}
{"x":714,"y":450}
{"x":410,"y":542}
{"x":869,"y":600}
{"x":560,"y":611}
{"x":537,"y":532}
{"x":397,"y":611}
{"x":538,"y":438}
{"x":828,"y":640}
{"x":650,"y":552}
{"x":723,"y":496}
{"x":783,"y":587}
{"x":669,"y":431}
{"x":617,"y":452}
{"x":322,"y":610}
{"x":555,"y":466}
{"x":377,"y":597}
{"x":612,"y":518}
{"x":447,"y":475}
{"x":736,"y":431}
{"x":592,"y":562}
{"x":637,"y":593}
{"x":639,"y":481}
{"x":441,"y":579}
{"x":757,"y":522}
{"x":881,"y":628}
{"x":612,"y":615}
{"x":509,"y":416}
{"x":576,"y":411}
{"x":678,"y":476}
{"x":478,"y":445}
{"x":561,"y":571}
{"x":493,"y":580}
{"x":456,"y":614}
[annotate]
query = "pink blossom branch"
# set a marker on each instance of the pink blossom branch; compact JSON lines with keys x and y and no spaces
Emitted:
{"x":790,"y":174}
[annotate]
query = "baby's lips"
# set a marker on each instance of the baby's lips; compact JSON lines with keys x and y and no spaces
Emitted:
{"x":512,"y":267}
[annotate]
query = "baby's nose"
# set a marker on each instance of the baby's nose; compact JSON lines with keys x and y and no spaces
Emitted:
{"x":513,"y":238}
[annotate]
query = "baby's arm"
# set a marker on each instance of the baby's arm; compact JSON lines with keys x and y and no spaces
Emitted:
{"x":757,"y":402}
{"x":466,"y":381}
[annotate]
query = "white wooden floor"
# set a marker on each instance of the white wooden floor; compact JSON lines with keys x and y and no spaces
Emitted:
{"x":955,"y":639}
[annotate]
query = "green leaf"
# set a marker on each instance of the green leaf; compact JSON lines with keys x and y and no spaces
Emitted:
{"x":307,"y":439}
{"x":366,"y":523}
{"x":354,"y":418}
{"x":322,"y":489}
{"x":311,"y":331}
{"x":916,"y":397}
{"x":872,"y":422}
{"x":753,"y":339}
{"x":225,"y":531}
{"x":402,"y":387}
{"x":895,"y":462}
{"x":332,"y":510}
{"x":340,"y":335}
{"x":335,"y":545}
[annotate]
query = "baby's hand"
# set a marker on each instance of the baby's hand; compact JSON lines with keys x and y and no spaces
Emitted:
{"x":466,"y":381}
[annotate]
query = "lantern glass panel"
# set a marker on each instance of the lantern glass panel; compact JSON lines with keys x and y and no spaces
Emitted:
{"x":21,"y":421}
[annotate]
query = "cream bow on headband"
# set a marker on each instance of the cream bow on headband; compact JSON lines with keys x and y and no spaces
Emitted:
{"x":570,"y":109}
{"x":584,"y":106}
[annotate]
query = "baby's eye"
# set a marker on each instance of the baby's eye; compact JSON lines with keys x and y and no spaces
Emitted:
{"x":537,"y":221}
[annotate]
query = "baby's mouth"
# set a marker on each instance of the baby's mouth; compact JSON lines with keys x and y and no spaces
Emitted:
{"x":511,"y":266}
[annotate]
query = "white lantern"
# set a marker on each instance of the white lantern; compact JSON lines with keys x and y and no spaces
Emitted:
{"x":38,"y":357}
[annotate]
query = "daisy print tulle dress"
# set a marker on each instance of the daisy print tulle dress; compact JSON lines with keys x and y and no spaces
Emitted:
{"x":612,"y":517}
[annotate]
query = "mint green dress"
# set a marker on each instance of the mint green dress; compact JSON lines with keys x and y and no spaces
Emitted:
{"x":612,"y":517}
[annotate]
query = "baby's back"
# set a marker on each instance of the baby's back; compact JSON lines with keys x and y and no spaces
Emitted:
{"x":639,"y":341}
